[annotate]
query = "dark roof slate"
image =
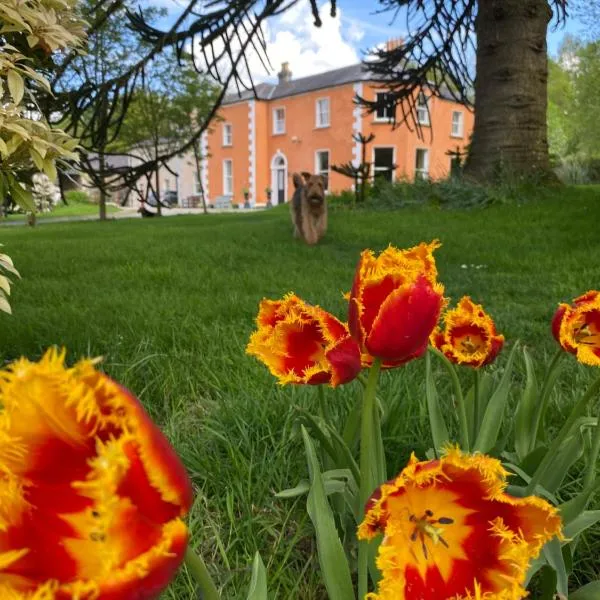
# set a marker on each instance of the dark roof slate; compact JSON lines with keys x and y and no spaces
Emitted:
{"x":351,"y":74}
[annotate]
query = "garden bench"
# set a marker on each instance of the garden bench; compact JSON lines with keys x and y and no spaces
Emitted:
{"x":222,"y":202}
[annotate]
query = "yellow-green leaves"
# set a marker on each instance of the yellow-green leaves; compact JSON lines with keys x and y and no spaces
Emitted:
{"x":6,"y":267}
{"x":16,"y":86}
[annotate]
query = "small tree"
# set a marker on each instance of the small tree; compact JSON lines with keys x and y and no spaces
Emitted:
{"x":360,"y":173}
{"x":31,"y":32}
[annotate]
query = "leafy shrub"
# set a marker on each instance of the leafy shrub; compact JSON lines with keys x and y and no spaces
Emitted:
{"x":452,"y":193}
{"x":77,"y":197}
{"x":578,"y":169}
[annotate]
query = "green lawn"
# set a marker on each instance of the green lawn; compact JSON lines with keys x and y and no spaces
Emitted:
{"x":170,"y":304}
{"x":73,"y":209}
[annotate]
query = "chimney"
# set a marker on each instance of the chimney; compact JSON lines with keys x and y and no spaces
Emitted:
{"x":394,"y":43}
{"x":285,"y":75}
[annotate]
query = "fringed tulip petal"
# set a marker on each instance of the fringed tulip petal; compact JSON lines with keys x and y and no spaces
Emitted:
{"x":576,"y":327}
{"x":469,"y":336}
{"x":91,"y":492}
{"x":304,"y":344}
{"x":452,"y":533}
{"x":395,"y":303}
{"x":406,"y":318}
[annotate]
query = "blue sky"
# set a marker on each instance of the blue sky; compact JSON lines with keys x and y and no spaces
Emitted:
{"x":340,"y":41}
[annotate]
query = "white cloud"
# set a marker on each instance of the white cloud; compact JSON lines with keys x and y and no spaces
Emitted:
{"x":293,"y":37}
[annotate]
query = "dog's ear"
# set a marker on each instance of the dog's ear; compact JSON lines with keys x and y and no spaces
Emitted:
{"x":297,"y":179}
{"x":306,"y":175}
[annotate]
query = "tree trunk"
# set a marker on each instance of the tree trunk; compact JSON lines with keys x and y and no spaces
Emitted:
{"x":197,"y":158}
{"x":510,"y":135}
{"x":157,"y":180}
{"x":101,"y":167}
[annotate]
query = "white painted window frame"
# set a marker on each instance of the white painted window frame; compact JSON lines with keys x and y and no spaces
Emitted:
{"x":461,"y":124}
{"x":318,"y":113}
{"x":376,"y":119}
{"x":423,"y":117}
{"x":225,"y":177}
{"x":275,"y":120}
{"x":318,"y":170}
{"x":382,"y":147}
{"x":424,"y":172}
{"x":227,"y":134}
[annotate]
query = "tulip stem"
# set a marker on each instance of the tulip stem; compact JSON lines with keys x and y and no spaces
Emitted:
{"x":476,"y":404}
{"x":460,"y":401}
{"x":577,"y":412}
{"x":549,"y":380}
{"x":590,"y":475}
{"x":199,"y":572}
{"x":369,"y":467}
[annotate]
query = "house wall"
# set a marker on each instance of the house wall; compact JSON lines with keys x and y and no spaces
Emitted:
{"x":255,"y":145}
{"x":238,"y":152}
{"x":436,"y":138}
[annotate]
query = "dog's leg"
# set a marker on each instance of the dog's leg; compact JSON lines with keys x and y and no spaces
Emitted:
{"x":322,"y":224}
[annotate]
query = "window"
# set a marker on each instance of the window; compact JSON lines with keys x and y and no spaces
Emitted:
{"x":384,"y":163}
{"x":278,"y":121}
{"x":167,"y":184}
{"x":323,"y":112}
{"x":227,"y":134}
{"x":322,"y":165}
{"x":197,"y":183}
{"x":457,"y":123}
{"x":228,"y":177}
{"x":422,"y":110}
{"x":422,"y":164}
{"x":385,"y":108}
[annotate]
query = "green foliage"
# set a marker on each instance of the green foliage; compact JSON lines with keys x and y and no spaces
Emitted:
{"x":450,"y":193}
{"x":77,"y":197}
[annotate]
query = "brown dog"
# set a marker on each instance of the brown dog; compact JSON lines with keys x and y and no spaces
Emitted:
{"x":309,"y":207}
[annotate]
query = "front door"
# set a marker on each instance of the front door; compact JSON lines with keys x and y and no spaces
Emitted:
{"x":280,"y":177}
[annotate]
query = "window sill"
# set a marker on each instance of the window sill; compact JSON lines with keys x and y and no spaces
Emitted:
{"x":383,"y":121}
{"x":226,"y":145}
{"x":323,"y":126}
{"x":457,"y":137}
{"x":277,"y":133}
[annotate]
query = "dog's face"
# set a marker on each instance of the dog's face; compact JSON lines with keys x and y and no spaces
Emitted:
{"x":314,"y":188}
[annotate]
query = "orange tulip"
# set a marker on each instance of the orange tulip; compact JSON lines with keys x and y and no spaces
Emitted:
{"x":469,"y":336}
{"x":452,"y":533}
{"x":395,"y":303}
{"x":92,"y":493}
{"x":304,"y":344}
{"x":576,"y":327}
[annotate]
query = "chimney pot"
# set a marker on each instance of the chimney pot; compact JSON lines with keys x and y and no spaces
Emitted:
{"x":285,"y":75}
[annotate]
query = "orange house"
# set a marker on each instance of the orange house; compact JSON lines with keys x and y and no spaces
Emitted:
{"x":307,"y":124}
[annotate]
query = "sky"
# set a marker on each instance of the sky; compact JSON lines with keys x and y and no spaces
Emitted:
{"x":340,"y":41}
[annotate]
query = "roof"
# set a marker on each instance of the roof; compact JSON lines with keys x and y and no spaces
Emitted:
{"x":270,"y":91}
{"x":351,"y":74}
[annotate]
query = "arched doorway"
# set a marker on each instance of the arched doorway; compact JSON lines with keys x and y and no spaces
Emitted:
{"x":279,"y":178}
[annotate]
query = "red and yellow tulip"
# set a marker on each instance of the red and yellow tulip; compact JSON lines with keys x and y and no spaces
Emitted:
{"x":303,"y":344}
{"x":91,"y":492}
{"x":469,"y":336}
{"x":395,"y":303}
{"x":576,"y":327}
{"x":452,"y":533}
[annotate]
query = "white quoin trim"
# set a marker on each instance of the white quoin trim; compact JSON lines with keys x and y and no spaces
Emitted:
{"x":252,"y":151}
{"x":204,"y":164}
{"x":357,"y":125}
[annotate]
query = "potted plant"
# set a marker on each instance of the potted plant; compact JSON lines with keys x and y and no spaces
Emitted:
{"x":246,"y":193}
{"x":269,"y":192}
